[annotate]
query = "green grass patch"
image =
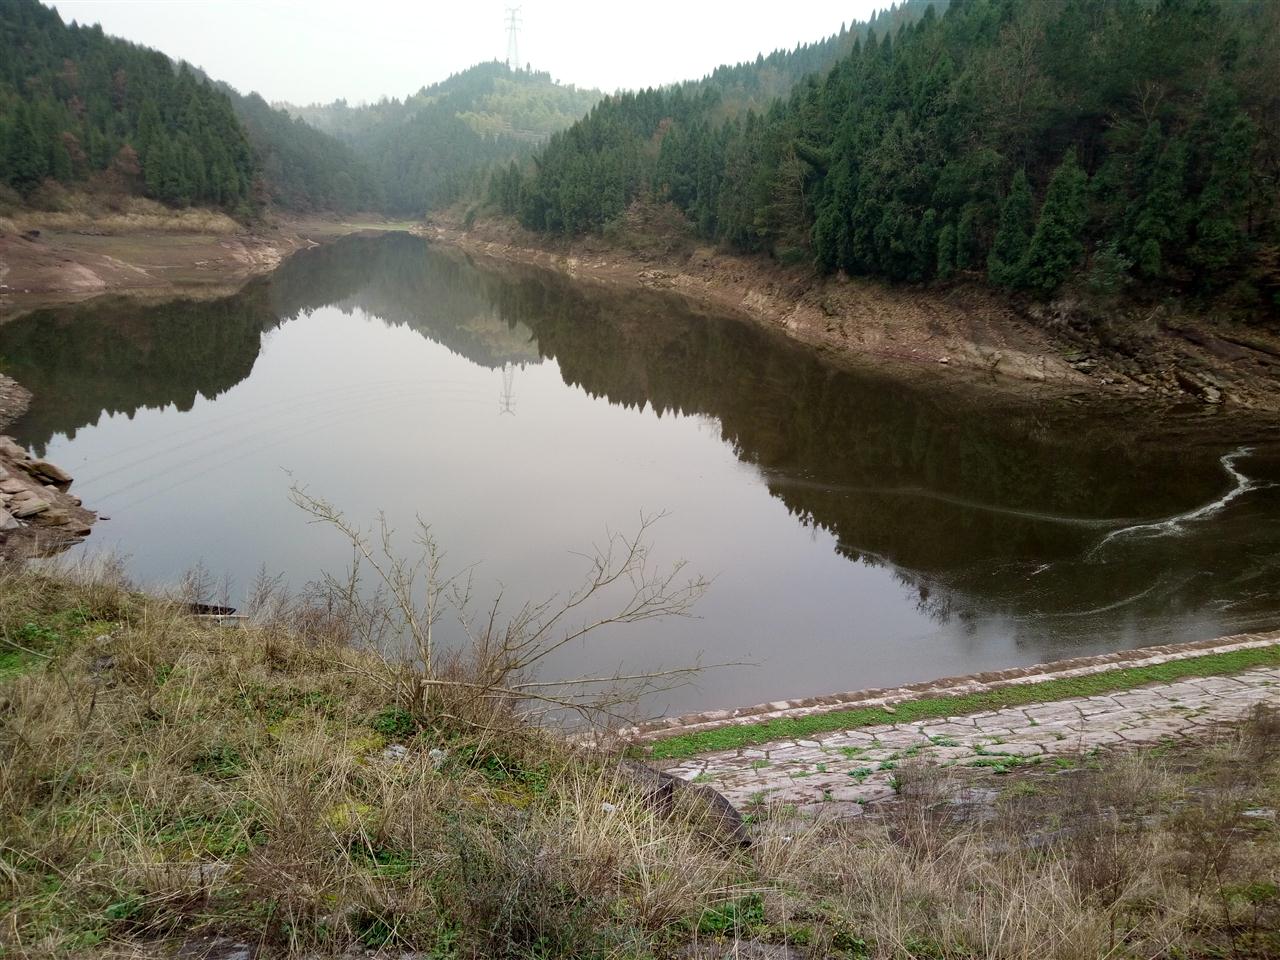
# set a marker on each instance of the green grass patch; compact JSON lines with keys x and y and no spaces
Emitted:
{"x":383,"y":862}
{"x":43,"y":637}
{"x":394,"y":722}
{"x":932,"y":708}
{"x":220,"y":763}
{"x":732,"y":917}
{"x":1003,"y":763}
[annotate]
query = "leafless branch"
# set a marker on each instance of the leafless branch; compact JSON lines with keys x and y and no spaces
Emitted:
{"x":406,"y":598}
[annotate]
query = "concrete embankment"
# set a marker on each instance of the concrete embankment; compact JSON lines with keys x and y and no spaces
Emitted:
{"x":843,"y":769}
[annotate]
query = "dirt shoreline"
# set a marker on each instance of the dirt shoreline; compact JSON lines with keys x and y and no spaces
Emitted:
{"x":79,"y":261}
{"x":70,"y":262}
{"x":964,"y":333}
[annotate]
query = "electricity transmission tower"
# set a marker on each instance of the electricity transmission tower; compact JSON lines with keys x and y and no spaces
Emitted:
{"x":507,"y":402}
{"x":513,"y":37}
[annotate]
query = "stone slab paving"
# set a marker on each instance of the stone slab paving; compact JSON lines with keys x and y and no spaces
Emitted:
{"x":946,"y":686}
{"x":854,"y":767}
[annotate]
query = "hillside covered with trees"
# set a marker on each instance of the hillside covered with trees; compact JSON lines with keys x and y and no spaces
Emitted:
{"x":303,"y":168}
{"x":81,"y":108}
{"x":429,"y":148}
{"x":75,"y":103}
{"x":1030,"y":142}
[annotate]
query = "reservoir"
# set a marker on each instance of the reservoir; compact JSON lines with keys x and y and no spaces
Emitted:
{"x":857,"y":530}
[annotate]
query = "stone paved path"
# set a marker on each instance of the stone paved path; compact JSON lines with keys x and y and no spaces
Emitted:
{"x":854,"y":767}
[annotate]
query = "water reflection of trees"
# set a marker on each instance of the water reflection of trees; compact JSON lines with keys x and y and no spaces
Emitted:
{"x":114,"y":355}
{"x":117,"y":355}
{"x":978,"y":508}
{"x":393,"y":278}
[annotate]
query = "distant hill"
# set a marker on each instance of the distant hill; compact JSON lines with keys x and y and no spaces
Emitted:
{"x":91,"y":111}
{"x":84,"y":109}
{"x":426,"y":149}
{"x":302,"y":168}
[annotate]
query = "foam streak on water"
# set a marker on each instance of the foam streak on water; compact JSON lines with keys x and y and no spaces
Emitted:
{"x":779,"y":479}
{"x":1176,"y":525}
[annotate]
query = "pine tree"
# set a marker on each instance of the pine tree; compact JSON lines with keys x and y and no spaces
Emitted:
{"x":1007,"y":262}
{"x":60,"y":167}
{"x":1220,"y":238}
{"x":946,"y":263}
{"x":966,"y":239}
{"x":1159,"y":212}
{"x":1056,"y":247}
{"x":155,"y":167}
{"x":26,"y":163}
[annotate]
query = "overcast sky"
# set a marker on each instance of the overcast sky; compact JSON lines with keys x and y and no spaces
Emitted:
{"x":308,"y":51}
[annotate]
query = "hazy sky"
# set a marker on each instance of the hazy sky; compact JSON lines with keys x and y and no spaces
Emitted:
{"x":318,"y":50}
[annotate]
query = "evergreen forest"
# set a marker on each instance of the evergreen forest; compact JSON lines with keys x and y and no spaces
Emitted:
{"x":80,"y":108}
{"x":75,"y":103}
{"x":1029,"y":142}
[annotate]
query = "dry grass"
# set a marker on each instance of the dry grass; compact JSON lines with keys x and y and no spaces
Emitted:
{"x":111,"y":214}
{"x":1143,"y":854}
{"x":162,"y":779}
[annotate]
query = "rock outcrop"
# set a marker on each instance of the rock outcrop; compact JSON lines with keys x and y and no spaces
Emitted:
{"x":703,"y":806}
{"x":38,"y":514}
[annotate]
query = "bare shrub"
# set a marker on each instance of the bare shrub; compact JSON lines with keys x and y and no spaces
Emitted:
{"x":1260,"y":735}
{"x":397,"y":611}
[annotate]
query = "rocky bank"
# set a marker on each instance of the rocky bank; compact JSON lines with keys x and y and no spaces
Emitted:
{"x":38,"y":513}
{"x":963,"y":331}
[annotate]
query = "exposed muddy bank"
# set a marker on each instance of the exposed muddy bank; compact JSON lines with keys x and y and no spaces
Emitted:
{"x":57,"y":267}
{"x":39,"y":266}
{"x":961,"y":333}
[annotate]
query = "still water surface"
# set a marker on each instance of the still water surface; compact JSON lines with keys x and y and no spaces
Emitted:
{"x":859,"y":531}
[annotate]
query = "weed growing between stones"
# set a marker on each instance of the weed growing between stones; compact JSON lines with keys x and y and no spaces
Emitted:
{"x":929,"y":708}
